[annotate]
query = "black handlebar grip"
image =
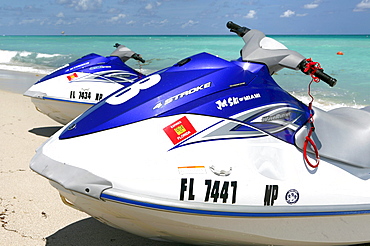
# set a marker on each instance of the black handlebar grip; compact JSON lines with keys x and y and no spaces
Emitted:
{"x":319,"y":73}
{"x":325,"y":77}
{"x":232,"y":25}
{"x":241,"y":31}
{"x":138,"y":57}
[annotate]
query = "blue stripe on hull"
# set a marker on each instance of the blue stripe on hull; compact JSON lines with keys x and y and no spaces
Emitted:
{"x":231,"y":214}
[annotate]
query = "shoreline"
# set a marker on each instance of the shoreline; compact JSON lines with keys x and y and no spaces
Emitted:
{"x":17,"y":82}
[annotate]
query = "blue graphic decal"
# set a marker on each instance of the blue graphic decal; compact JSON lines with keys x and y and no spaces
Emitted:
{"x":88,"y":64}
{"x":204,"y":85}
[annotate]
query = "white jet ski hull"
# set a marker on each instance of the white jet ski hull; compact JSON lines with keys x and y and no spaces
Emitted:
{"x":63,"y":99}
{"x":165,"y":193}
{"x":167,"y":223}
{"x":59,"y":110}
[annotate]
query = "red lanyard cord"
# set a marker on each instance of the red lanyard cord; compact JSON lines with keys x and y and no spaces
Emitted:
{"x":311,"y":68}
{"x":308,"y":139}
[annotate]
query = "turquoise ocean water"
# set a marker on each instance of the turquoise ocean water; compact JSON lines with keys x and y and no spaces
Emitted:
{"x":43,"y":54}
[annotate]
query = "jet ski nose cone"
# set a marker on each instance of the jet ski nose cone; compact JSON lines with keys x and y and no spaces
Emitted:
{"x":34,"y":94}
{"x":69,"y":177}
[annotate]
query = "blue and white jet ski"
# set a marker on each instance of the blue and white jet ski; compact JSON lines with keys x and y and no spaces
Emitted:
{"x":214,"y":152}
{"x":72,"y":89}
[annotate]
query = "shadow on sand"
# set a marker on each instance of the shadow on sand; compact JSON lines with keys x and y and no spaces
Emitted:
{"x":92,"y":232}
{"x":45,"y":131}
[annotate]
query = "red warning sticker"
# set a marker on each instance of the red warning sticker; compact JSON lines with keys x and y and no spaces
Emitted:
{"x":179,"y":130}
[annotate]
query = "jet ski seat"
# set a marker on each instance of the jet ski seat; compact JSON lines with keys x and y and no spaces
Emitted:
{"x":341,"y":134}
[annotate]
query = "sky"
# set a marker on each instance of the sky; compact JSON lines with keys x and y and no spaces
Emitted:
{"x":182,"y":17}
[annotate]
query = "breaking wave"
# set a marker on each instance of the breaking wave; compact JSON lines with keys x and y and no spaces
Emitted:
{"x":33,"y":62}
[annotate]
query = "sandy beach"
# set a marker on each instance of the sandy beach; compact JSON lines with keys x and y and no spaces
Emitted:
{"x":31,"y":212}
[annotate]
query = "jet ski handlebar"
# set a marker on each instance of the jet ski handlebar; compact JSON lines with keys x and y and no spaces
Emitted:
{"x":316,"y":72}
{"x":125,"y":53}
{"x":138,"y":57}
{"x":326,"y":78}
{"x":277,"y":57}
{"x":241,"y":31}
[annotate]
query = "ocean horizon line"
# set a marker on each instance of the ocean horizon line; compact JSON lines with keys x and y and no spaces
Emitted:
{"x":168,"y":35}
